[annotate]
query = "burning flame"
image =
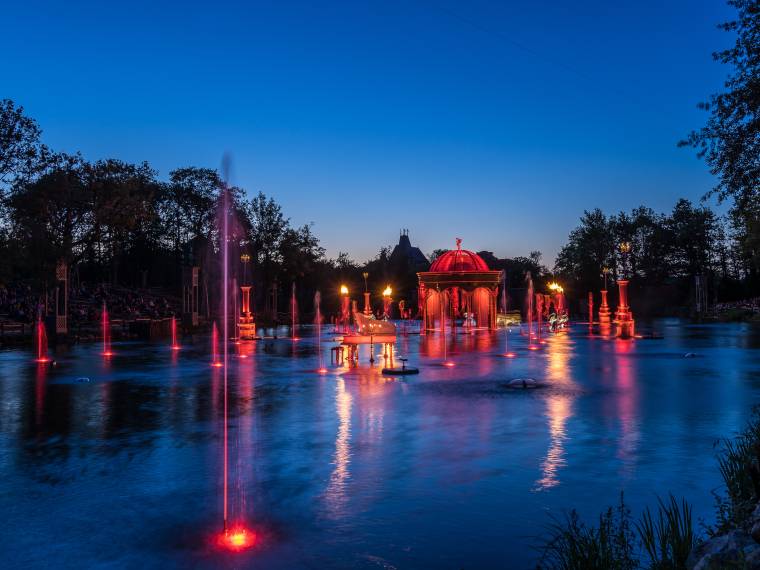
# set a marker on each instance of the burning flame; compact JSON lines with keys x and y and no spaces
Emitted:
{"x":387,"y":292}
{"x":343,"y":290}
{"x":554,"y":286}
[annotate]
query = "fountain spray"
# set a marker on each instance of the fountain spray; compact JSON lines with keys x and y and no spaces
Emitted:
{"x":318,"y":323}
{"x":42,"y":344}
{"x":106,"y":333}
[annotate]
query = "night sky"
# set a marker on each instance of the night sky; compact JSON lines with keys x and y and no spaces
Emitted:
{"x":498,"y":122}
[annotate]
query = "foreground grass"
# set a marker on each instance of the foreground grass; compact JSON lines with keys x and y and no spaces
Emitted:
{"x":663,"y":538}
{"x":660,"y":540}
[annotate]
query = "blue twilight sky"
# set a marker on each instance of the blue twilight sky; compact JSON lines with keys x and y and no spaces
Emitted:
{"x":498,"y":122}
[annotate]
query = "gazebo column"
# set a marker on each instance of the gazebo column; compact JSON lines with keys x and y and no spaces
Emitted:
{"x":494,"y":293}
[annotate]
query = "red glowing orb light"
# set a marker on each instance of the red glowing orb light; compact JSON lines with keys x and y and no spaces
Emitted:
{"x":449,"y":364}
{"x":217,"y":364}
{"x":509,"y":355}
{"x":322,"y":370}
{"x":237,"y":538}
{"x":42,"y":360}
{"x":176,"y":347}
{"x":533,"y":347}
{"x":108,"y":353}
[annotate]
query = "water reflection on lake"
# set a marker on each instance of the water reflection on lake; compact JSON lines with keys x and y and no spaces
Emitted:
{"x":118,"y":462}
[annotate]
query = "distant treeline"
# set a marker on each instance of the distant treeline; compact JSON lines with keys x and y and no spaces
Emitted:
{"x":669,"y":255}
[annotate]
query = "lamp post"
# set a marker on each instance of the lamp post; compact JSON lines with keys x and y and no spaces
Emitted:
{"x":604,"y":308}
{"x":367,"y":308}
{"x":245,"y":258}
{"x":623,"y":315}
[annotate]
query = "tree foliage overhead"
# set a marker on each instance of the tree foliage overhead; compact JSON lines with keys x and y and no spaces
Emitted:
{"x":730,"y":140}
{"x":20,"y":148}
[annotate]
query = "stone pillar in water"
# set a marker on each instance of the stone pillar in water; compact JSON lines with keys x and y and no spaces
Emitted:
{"x":623,"y":315}
{"x":604,"y":309}
{"x":246,"y":326}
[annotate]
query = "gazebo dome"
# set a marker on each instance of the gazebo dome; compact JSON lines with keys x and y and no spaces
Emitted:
{"x":458,"y":260}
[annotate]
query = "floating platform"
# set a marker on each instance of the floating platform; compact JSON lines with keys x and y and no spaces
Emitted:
{"x":403,"y":371}
{"x":367,"y":339}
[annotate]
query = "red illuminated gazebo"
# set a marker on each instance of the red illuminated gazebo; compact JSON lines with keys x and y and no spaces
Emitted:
{"x":459,"y":282}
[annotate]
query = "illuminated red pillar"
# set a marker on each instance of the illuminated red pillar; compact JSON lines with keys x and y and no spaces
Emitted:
{"x":604,"y":309}
{"x":492,"y":323}
{"x":367,"y":308}
{"x":623,"y":315}
{"x":246,"y":323}
{"x":246,"y":299}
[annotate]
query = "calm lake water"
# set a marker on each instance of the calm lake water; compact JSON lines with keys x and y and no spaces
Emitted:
{"x":447,"y":469}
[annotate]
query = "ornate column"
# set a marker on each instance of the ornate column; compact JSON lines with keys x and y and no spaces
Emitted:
{"x":422,"y":302}
{"x":604,"y":309}
{"x":623,"y":315}
{"x":246,"y":324}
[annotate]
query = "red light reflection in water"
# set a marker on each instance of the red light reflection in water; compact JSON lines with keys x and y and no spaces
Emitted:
{"x":336,"y":492}
{"x":40,"y":388}
{"x":627,"y":396}
{"x":559,"y":409}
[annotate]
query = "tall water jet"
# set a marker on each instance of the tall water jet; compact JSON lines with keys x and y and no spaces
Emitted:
{"x":318,"y":324}
{"x":235,"y":536}
{"x":235,"y":311}
{"x":539,"y":314}
{"x":293,"y":312}
{"x":225,"y":341}
{"x":175,"y":343}
{"x":215,"y":362}
{"x":106,"y":330}
{"x":41,"y":339}
{"x":529,"y":298}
